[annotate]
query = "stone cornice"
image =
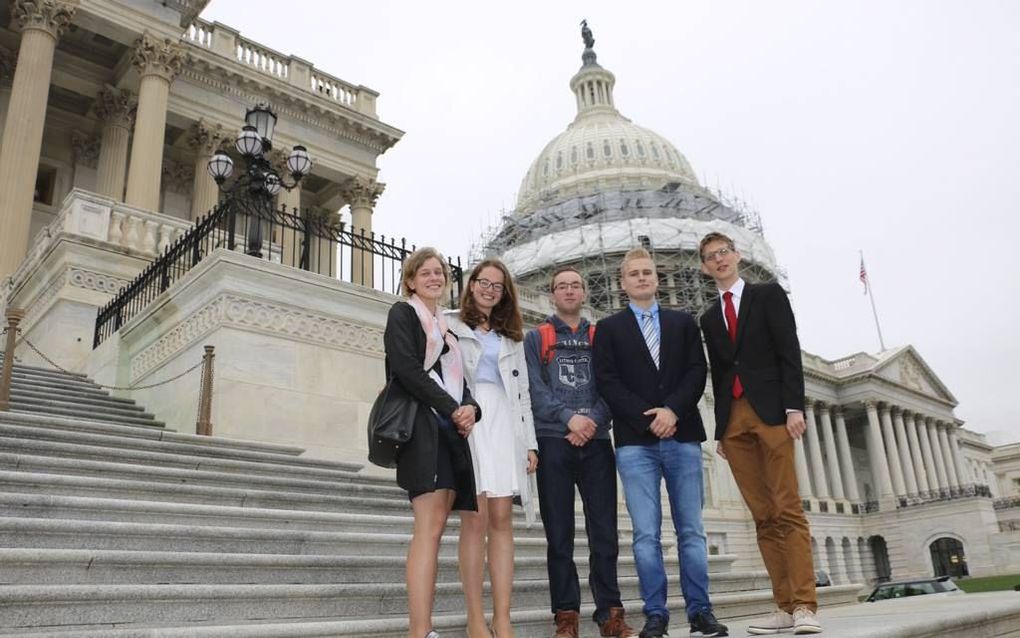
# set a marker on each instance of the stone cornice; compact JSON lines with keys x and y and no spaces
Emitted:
{"x":116,"y":107}
{"x":157,"y":56}
{"x":260,"y":316}
{"x":230,"y":78}
{"x":50,"y":16}
{"x":361,"y":192}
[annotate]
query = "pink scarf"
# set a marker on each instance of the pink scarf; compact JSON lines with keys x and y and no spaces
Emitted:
{"x":453,"y":366}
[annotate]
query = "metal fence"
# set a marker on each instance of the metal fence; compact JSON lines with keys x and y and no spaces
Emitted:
{"x":309,"y":243}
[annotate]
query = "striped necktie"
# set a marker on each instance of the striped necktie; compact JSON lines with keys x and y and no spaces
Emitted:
{"x":651,"y":335}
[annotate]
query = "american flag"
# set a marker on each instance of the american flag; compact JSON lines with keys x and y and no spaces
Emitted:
{"x":864,"y":276}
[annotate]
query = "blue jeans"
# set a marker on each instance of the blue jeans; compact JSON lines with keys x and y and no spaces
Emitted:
{"x":593,"y":470}
{"x":642,"y":469}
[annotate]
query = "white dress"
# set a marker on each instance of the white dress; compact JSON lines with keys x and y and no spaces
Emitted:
{"x":492,"y":440}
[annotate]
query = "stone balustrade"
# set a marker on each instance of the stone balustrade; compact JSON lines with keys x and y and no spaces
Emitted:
{"x":225,"y":41}
{"x":86,"y":214}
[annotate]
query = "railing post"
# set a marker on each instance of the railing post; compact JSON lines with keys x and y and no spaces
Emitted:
{"x":204,"y":425}
{"x":14,"y":317}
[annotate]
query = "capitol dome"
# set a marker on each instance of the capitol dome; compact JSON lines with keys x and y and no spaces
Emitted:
{"x":606,"y":185}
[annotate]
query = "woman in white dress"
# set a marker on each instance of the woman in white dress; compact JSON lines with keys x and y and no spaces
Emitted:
{"x":503,"y":447}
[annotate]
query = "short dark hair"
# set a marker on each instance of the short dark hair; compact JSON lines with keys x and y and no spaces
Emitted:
{"x":711,"y":237}
{"x":562,"y":269}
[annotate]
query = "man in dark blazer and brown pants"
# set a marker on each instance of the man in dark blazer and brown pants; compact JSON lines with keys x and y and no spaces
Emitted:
{"x":758,"y":382}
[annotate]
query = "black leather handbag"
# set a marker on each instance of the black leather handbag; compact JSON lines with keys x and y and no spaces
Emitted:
{"x":390,"y":423}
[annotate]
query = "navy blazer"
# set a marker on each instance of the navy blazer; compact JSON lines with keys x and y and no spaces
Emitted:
{"x":766,"y":355}
{"x":629,"y":382}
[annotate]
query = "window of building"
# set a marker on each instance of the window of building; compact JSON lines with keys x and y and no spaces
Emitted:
{"x":624,"y":151}
{"x":573,"y":155}
{"x":45,"y":184}
{"x":607,"y":150}
{"x":559,"y":160}
{"x":640,"y":148}
{"x":590,"y":151}
{"x":655,"y":151}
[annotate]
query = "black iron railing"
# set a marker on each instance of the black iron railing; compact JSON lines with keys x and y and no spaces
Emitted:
{"x":948,"y":494}
{"x":313,"y":244}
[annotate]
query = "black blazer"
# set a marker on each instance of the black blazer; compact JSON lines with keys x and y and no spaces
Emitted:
{"x":766,"y":355}
{"x":630,"y":384}
{"x":404,"y":341}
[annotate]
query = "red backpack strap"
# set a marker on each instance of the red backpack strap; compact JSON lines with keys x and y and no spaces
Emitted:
{"x":547,"y":334}
{"x":591,"y":335}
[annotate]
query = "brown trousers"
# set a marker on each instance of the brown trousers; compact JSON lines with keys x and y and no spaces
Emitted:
{"x":761,"y":459}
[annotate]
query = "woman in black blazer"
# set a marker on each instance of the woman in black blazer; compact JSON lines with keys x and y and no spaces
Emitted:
{"x":435,"y":465}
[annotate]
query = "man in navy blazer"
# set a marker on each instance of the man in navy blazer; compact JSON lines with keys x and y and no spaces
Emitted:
{"x":758,"y":382}
{"x":650,"y":369}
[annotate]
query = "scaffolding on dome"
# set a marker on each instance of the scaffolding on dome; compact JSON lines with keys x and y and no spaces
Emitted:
{"x":592,"y":233}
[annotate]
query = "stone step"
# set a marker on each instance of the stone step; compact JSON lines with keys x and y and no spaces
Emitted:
{"x":85,"y":415}
{"x":98,"y":402}
{"x":48,"y":506}
{"x":57,"y":379}
{"x":57,"y":484}
{"x":111,"y":567}
{"x":33,"y":463}
{"x":23,"y":367}
{"x":17,"y":439}
{"x":41,"y":533}
{"x":129,"y":436}
{"x":327,"y":610}
{"x":38,"y":404}
{"x":97,"y":397}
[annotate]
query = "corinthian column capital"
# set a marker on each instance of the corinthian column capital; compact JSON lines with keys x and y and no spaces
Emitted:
{"x":50,"y":16}
{"x":157,"y":56}
{"x":116,"y":106}
{"x":206,"y":138}
{"x":362,"y":192}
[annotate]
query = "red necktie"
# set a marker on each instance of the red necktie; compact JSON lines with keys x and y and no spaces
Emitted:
{"x":731,"y":326}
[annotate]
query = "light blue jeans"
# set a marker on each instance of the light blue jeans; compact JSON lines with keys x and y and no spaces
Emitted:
{"x":642,"y":470}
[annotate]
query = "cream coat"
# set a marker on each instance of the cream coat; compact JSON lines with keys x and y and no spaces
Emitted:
{"x":513,"y":371}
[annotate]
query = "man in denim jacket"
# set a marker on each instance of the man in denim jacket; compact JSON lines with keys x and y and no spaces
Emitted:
{"x":572,"y":426}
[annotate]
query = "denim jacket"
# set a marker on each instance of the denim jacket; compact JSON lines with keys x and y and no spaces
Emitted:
{"x":566,"y":385}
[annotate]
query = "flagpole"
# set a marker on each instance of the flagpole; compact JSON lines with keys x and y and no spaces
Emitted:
{"x":871,"y":295}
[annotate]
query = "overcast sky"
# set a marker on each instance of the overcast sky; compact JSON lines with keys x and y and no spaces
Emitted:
{"x":882,"y":126}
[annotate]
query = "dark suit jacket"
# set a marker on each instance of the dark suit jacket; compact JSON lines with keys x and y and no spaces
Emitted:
{"x":404,"y":341}
{"x":630,"y":384}
{"x":766,"y":355}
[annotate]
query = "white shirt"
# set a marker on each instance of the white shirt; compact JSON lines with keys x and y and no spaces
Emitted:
{"x":738,"y":291}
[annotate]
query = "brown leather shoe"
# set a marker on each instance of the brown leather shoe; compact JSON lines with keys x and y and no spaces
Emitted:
{"x":616,"y":626}
{"x":566,"y":624}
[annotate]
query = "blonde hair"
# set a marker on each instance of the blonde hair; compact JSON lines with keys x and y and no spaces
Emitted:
{"x":632,"y":254}
{"x":416,"y":260}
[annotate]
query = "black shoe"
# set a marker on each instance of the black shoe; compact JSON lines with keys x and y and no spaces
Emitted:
{"x":655,"y":627}
{"x":704,"y":625}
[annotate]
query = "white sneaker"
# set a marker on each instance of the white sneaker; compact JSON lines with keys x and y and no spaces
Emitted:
{"x":776,"y":622}
{"x":805,"y":621}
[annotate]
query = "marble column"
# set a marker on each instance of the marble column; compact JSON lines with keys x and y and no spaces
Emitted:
{"x":815,"y":450}
{"x":936,"y":452}
{"x":929,"y":459}
{"x":41,"y":23}
{"x":954,"y":448}
{"x":891,"y":451}
{"x":915,"y":451}
{"x":947,"y":456}
{"x":846,"y":460}
{"x":876,"y":453}
{"x":858,"y":561}
{"x":835,"y":477}
{"x":158,"y":61}
{"x":361,"y":193}
{"x":116,"y":109}
{"x":909,"y":477}
{"x":204,"y":138}
{"x":801,"y":466}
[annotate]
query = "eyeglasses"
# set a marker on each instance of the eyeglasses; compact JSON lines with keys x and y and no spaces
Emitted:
{"x":716,"y":254}
{"x":574,"y":285}
{"x":487,"y":285}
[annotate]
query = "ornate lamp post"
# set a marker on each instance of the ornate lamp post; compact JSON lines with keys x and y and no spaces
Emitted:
{"x":255,"y":188}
